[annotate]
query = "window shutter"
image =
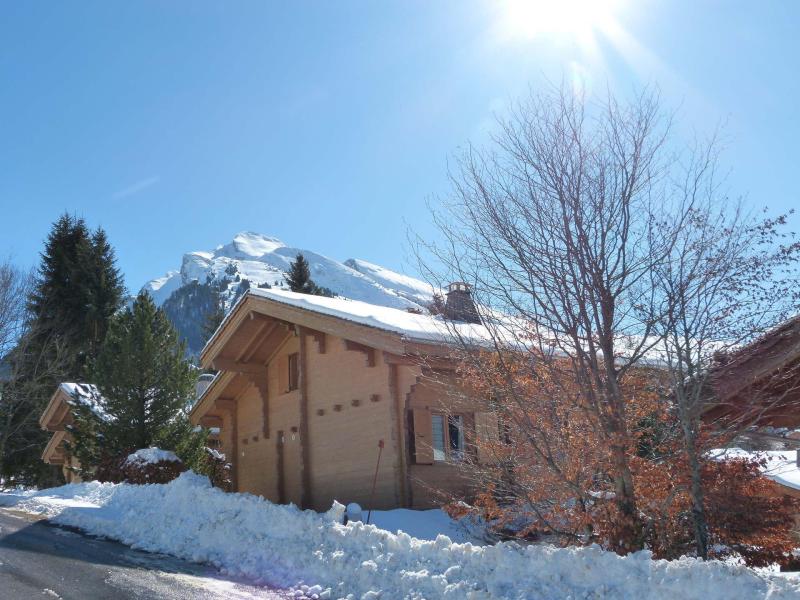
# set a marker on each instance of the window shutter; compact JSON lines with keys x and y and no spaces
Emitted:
{"x":283,"y":374}
{"x":423,"y":436}
{"x":487,"y":435}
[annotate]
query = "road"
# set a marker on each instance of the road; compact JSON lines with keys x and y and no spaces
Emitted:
{"x":41,"y":560}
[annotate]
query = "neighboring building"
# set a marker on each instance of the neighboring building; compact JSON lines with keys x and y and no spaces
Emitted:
{"x":57,"y":417}
{"x":761,"y":381}
{"x":757,"y":388}
{"x":308,"y":387}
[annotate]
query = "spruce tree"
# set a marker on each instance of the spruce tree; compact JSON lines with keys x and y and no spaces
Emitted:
{"x":299,"y":276}
{"x":299,"y":279}
{"x":77,"y":290}
{"x":145,"y":380}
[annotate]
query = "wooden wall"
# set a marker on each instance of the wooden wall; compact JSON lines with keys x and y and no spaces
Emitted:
{"x":432,"y":484}
{"x":349,"y":412}
{"x":354,"y":400}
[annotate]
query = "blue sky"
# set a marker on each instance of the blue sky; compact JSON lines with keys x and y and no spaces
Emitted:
{"x":175,"y":125}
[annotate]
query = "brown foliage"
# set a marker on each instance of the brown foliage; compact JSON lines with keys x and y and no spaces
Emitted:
{"x":117,"y":469}
{"x":217,"y":469}
{"x":549,"y":476}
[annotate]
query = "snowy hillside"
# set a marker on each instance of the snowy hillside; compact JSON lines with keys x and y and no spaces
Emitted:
{"x":253,"y":259}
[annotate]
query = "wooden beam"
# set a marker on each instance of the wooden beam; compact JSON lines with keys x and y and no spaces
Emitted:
{"x":228,"y":404}
{"x":211,"y":421}
{"x":307,"y":498}
{"x":254,"y":339}
{"x":401,"y":359}
{"x":256,"y":316}
{"x":281,"y":468}
{"x":366,"y":350}
{"x":228,"y":364}
{"x":399,"y":418}
{"x":262,"y":384}
{"x":319,"y":338}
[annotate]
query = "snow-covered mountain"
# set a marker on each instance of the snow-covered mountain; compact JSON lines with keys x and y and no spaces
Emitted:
{"x":253,"y":259}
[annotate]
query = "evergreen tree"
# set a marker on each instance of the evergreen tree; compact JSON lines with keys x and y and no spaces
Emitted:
{"x":77,"y":290}
{"x":145,"y":381}
{"x":299,"y":279}
{"x":299,"y":276}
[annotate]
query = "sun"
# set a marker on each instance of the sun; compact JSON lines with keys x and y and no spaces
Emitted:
{"x":571,"y":20}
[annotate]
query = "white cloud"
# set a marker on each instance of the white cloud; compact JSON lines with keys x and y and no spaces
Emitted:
{"x":135,"y":188}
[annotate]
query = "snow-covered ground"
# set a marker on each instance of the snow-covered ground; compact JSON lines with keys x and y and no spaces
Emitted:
{"x":249,"y":537}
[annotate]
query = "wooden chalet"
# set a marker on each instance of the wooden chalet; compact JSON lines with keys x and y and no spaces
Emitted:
{"x":56,"y":418}
{"x":310,"y":390}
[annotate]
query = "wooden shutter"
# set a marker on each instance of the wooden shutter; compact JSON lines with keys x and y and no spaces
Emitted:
{"x":487,"y":434}
{"x":423,"y":436}
{"x":283,"y":374}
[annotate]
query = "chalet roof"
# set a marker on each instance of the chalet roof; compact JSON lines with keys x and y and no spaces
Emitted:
{"x":67,"y":395}
{"x":411,"y":326}
{"x":763,"y":375}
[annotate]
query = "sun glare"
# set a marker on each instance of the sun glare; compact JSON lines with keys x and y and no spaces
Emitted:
{"x":575,"y":20}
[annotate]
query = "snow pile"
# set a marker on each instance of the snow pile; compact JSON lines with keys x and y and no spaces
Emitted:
{"x":150,"y":456}
{"x":248,"y":536}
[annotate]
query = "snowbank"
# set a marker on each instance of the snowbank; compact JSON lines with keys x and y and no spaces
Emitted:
{"x":248,"y":536}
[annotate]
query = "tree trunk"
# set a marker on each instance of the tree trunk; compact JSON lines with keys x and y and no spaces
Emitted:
{"x":699,"y":521}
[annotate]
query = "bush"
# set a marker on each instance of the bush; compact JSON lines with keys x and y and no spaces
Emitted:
{"x":217,"y":469}
{"x":151,"y":465}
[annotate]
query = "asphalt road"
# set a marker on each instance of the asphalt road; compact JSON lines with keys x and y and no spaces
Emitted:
{"x":40,"y":560}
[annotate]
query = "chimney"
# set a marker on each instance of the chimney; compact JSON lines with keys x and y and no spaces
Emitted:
{"x":459,"y":305}
{"x":202,"y":384}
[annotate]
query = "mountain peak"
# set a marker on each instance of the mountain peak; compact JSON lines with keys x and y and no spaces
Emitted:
{"x":248,"y":244}
{"x":255,"y":259}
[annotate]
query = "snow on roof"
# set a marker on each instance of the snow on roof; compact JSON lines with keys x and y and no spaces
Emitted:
{"x":409,"y":325}
{"x":86,"y":394}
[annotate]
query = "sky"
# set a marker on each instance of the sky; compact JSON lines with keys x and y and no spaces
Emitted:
{"x":330,"y":125}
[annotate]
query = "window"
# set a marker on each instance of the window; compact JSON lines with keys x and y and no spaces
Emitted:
{"x":294,"y":371}
{"x":455,"y":433}
{"x":448,"y":437}
{"x":438,"y":437}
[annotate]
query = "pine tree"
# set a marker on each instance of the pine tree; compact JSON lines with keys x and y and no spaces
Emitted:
{"x":299,"y":276}
{"x":145,"y":380}
{"x":299,"y":279}
{"x":104,"y":290}
{"x":77,"y":290}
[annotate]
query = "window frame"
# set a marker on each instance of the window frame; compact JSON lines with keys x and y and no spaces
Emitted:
{"x":448,"y":452}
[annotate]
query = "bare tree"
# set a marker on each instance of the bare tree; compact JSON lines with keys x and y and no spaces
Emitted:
{"x":729,"y":276}
{"x":22,"y":392}
{"x":14,"y":287}
{"x":608,"y":269}
{"x":556,"y":228}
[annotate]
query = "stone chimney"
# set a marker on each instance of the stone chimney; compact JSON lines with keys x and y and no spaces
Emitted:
{"x":459,"y":305}
{"x":202,"y":384}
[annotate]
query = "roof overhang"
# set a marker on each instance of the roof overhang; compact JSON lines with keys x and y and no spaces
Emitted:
{"x":55,"y":453}
{"x":256,"y":328}
{"x":57,"y":414}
